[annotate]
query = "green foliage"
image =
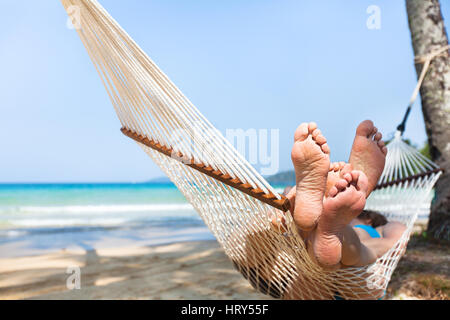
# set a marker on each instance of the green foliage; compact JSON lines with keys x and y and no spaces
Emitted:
{"x":425,"y":151}
{"x":424,"y":235}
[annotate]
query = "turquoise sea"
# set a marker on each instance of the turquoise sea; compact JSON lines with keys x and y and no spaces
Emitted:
{"x":46,"y":217}
{"x":62,"y":205}
{"x":37,"y":218}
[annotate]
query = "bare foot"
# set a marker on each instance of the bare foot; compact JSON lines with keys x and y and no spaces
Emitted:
{"x":310,"y":156}
{"x":345,"y":202}
{"x":368,"y":153}
{"x":336,"y":171}
{"x":334,"y":174}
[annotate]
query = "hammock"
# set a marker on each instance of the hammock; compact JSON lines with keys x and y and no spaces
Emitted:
{"x":232,"y":198}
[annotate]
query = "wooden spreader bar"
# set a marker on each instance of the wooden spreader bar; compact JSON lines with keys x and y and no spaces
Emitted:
{"x":410,"y":178}
{"x":281,"y":204}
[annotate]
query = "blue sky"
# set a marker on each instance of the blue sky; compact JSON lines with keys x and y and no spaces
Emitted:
{"x":263,"y":64}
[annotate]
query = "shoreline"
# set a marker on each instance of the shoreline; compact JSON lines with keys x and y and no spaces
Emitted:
{"x":39,"y":241}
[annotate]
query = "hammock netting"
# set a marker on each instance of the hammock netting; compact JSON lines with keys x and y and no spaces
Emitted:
{"x":274,"y":261}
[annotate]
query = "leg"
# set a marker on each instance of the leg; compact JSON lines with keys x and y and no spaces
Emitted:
{"x":359,"y":249}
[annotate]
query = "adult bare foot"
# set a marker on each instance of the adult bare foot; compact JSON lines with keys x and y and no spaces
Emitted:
{"x":368,"y":153}
{"x":310,"y":156}
{"x":345,"y":202}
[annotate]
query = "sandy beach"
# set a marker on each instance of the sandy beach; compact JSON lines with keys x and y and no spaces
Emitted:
{"x":185,"y":270}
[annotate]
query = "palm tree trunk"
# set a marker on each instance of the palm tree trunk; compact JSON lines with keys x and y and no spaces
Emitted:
{"x":428,"y":34}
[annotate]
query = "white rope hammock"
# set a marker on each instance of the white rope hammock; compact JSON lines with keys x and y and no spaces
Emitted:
{"x":405,"y":187}
{"x":232,"y":198}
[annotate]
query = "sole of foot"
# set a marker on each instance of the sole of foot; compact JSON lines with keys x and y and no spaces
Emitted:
{"x":368,"y":153}
{"x":345,"y":202}
{"x":310,"y":157}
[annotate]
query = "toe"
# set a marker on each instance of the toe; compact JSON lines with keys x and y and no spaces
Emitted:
{"x":360,"y":180}
{"x":373,"y":133}
{"x":325,"y":148}
{"x":312,"y":126}
{"x":365,"y":128}
{"x":347,"y":168}
{"x":316,"y":133}
{"x":333,"y":191}
{"x":301,"y":133}
{"x":355,"y":175}
{"x":348,"y":177}
{"x":341,"y":184}
{"x":378,"y":136}
{"x":320,"y":139}
{"x":384,"y":150}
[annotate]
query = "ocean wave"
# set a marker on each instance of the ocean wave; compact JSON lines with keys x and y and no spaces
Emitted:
{"x":68,"y":222}
{"x":93,"y":215}
{"x":99,"y":208}
{"x":122,"y":221}
{"x":12,"y":233}
{"x":279,"y":190}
